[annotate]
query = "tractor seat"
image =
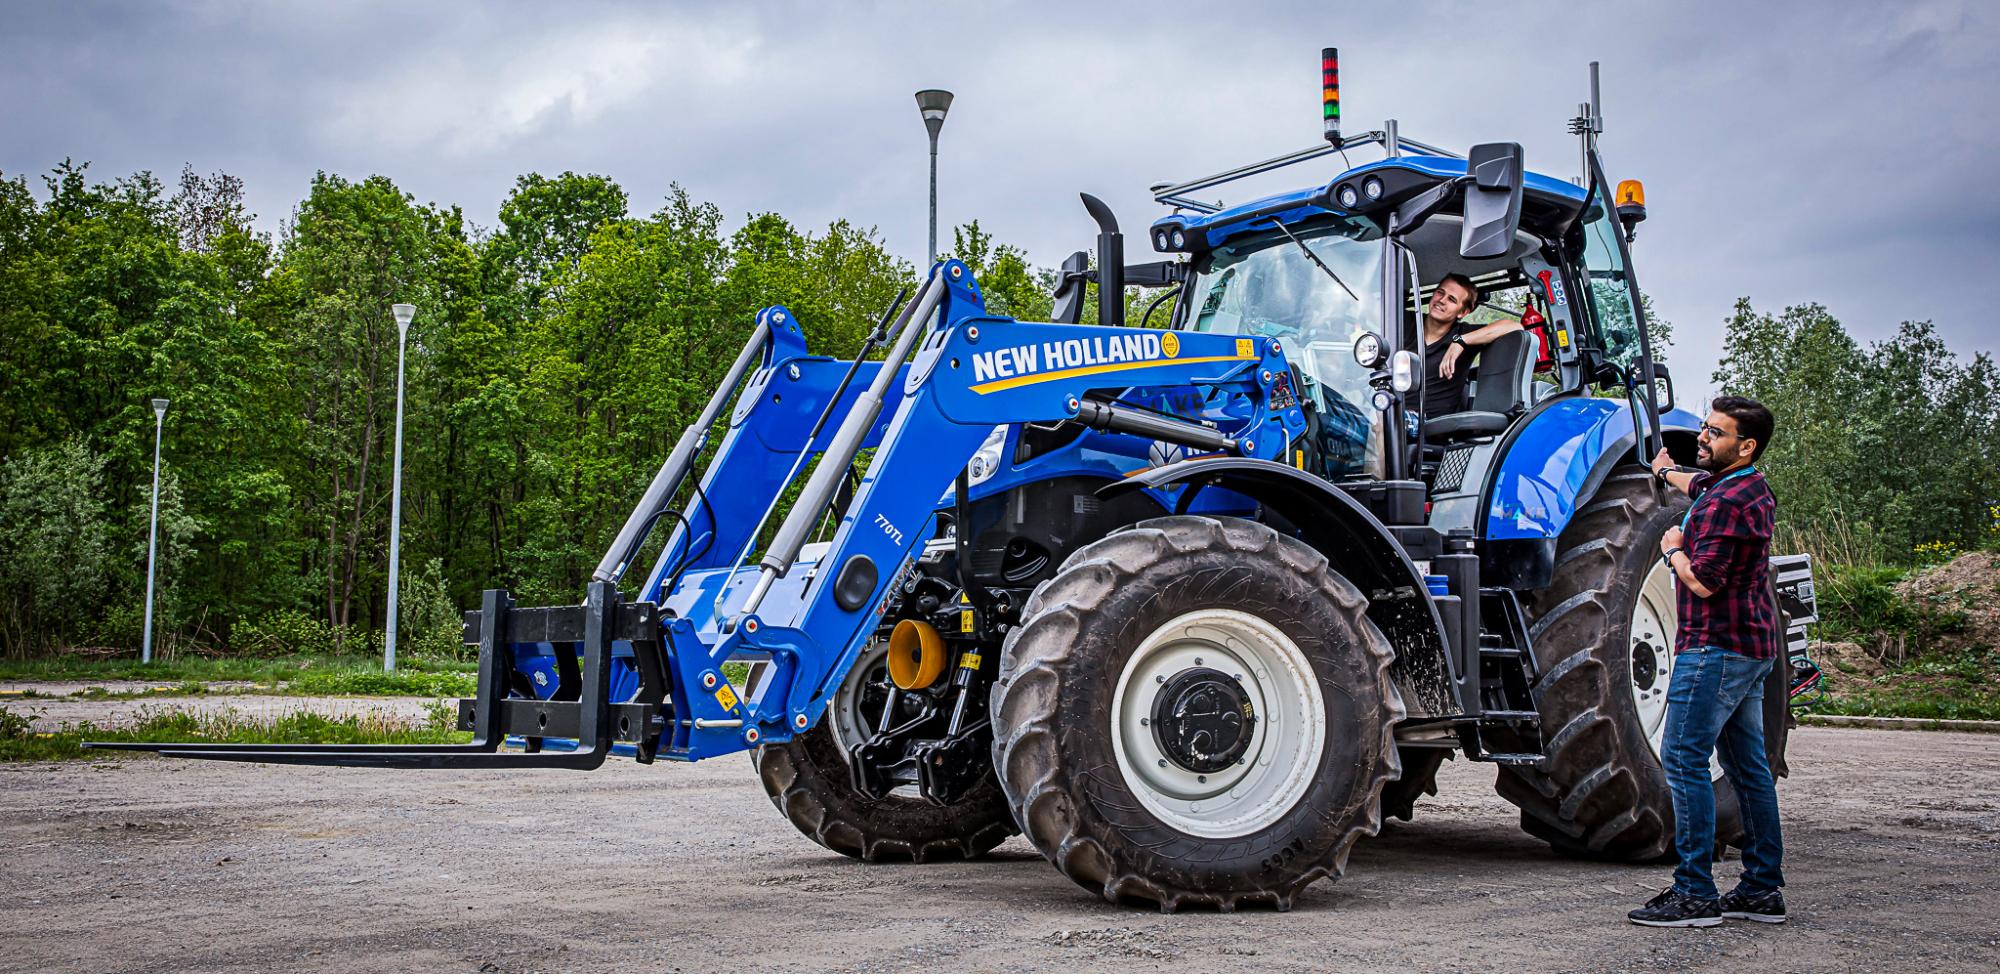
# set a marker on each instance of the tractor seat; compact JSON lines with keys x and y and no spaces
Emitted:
{"x":1503,"y":386}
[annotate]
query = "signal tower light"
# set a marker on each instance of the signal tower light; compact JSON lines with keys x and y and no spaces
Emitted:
{"x":1329,"y":83}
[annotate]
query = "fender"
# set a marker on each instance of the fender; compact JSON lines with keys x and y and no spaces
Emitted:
{"x":1550,"y":466}
{"x":1352,"y":539}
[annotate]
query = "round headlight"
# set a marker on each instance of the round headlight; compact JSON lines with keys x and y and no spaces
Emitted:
{"x":1159,"y":240}
{"x":1383,"y":400}
{"x":1180,"y":240}
{"x":1373,"y":187}
{"x":1368,"y":350}
{"x":1347,"y":196}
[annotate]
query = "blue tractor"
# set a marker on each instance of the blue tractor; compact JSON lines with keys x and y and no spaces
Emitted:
{"x":1193,"y":604}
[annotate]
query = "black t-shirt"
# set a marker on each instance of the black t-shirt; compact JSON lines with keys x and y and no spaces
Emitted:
{"x":1442,"y":395}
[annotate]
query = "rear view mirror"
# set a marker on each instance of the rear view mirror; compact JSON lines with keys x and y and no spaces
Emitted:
{"x":1492,"y":200}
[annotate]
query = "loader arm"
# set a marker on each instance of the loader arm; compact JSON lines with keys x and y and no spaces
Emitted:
{"x":953,"y":373}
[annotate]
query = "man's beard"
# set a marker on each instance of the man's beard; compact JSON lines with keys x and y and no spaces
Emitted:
{"x":1716,"y":461}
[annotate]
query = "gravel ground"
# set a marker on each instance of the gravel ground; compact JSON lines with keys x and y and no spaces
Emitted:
{"x":143,"y":864}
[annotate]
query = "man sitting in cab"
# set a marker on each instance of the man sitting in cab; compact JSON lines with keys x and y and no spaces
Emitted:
{"x":1449,"y":342}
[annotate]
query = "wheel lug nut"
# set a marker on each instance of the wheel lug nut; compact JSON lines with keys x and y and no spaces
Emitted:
{"x":1159,"y":679}
{"x":1145,"y":721}
{"x":1201,"y":778}
{"x":1163,"y":762}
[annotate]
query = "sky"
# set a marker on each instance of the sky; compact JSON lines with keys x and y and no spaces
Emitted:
{"x":1837,"y":152}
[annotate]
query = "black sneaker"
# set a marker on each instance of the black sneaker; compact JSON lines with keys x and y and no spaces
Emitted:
{"x":1676,"y":909}
{"x":1765,"y":907}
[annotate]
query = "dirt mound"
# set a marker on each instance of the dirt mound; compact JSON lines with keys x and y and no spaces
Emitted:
{"x":1846,"y":659}
{"x":1969,"y":584}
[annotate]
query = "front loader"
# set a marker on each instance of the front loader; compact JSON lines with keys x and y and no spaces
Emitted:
{"x":1191,"y":606}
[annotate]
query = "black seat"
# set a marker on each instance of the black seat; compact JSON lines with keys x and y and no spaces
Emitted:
{"x":1503,"y":386}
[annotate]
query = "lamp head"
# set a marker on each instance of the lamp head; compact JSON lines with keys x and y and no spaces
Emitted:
{"x":933,"y":103}
{"x":159,"y":407}
{"x":404,"y":314}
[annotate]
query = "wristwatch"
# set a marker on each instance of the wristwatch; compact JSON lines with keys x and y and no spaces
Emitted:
{"x":1667,"y":557}
{"x":1460,"y":341}
{"x":1661,"y":474}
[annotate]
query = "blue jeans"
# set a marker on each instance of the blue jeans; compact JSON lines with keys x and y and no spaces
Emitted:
{"x":1715,"y":704}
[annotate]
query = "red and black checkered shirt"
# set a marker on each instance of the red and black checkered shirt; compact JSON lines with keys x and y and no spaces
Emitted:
{"x":1728,"y":542}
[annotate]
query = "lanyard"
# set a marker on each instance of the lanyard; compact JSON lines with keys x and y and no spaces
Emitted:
{"x":1711,"y":490}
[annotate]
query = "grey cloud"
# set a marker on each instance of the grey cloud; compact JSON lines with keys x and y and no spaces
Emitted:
{"x":1837,"y":152}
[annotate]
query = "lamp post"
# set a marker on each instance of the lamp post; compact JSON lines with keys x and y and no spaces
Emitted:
{"x":153,"y":533}
{"x":404,"y":314}
{"x":933,"y":103}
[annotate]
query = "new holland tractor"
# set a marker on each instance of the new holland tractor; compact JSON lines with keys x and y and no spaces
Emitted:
{"x":1192,"y":605}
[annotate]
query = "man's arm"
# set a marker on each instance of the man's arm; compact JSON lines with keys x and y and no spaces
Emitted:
{"x":1665,"y":469}
{"x":1476,"y":338}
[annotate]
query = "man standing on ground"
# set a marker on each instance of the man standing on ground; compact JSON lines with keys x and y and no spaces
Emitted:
{"x":1728,"y":637}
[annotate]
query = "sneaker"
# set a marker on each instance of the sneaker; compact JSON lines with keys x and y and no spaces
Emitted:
{"x":1674,"y":908}
{"x":1765,"y":907}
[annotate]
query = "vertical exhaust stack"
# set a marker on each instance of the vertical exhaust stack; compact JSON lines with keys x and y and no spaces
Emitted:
{"x":1110,"y":263}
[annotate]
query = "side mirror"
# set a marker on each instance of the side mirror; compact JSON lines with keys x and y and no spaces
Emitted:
{"x":1492,"y":200}
{"x":1069,"y":288}
{"x":1663,"y":386}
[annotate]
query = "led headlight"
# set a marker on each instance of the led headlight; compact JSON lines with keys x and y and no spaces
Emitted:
{"x":1347,"y":195}
{"x":1368,"y":350}
{"x":986,"y":460}
{"x":1383,"y":400}
{"x":1180,"y":240}
{"x":1373,"y":187}
{"x":1159,"y":240}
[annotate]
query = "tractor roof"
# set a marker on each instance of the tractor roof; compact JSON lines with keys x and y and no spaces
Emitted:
{"x":1559,"y":198}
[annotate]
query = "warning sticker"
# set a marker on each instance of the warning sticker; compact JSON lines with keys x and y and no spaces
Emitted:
{"x":726,"y":697}
{"x":969,"y":661}
{"x":1246,"y":348}
{"x":965,"y":620}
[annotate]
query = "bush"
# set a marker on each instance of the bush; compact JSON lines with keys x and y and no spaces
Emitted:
{"x":1859,"y":603}
{"x":289,"y":632}
{"x":55,"y":546}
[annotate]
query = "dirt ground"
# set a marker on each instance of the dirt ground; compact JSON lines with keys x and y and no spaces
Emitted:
{"x":143,"y":864}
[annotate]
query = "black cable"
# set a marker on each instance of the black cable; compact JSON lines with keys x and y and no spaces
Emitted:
{"x":1145,"y":321}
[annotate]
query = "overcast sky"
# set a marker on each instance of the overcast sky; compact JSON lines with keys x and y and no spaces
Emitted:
{"x":1839,"y":152}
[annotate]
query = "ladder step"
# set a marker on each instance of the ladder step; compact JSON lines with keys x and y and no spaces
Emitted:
{"x":1512,"y":758}
{"x":1523,"y":716}
{"x":1500,"y":652}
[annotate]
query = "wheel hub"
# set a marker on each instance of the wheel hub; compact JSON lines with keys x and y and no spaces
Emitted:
{"x":1203,"y":720}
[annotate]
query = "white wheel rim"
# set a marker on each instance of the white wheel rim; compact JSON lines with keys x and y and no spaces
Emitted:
{"x":1287,"y":740}
{"x":1654,"y":628}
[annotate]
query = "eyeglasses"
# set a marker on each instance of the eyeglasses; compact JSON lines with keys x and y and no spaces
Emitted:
{"x":1715,"y":432}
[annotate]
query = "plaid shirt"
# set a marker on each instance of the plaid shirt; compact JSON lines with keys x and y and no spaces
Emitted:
{"x":1728,"y":542}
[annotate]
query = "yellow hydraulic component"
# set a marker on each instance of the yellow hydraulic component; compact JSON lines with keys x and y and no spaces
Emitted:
{"x":916,"y":654}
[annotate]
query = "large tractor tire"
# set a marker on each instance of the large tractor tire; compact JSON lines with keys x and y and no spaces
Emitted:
{"x":1603,"y":636}
{"x":808,"y":779}
{"x":1196,"y":712}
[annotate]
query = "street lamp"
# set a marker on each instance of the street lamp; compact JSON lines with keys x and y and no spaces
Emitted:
{"x":404,"y":314}
{"x":933,"y":103}
{"x":153,"y":533}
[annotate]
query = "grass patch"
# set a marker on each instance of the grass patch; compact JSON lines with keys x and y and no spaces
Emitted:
{"x":18,"y":742}
{"x":402,"y":683}
{"x":1961,"y":685}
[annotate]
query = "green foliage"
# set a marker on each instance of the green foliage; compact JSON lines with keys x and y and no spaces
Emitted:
{"x":56,"y":548}
{"x":1859,"y":603}
{"x":1892,"y":449}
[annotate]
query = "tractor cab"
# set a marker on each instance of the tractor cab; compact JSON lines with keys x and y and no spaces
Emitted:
{"x":1340,"y":274}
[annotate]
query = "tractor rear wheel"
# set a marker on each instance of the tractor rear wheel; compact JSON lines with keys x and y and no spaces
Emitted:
{"x":1196,"y":711}
{"x":808,"y":779}
{"x":1603,"y":636}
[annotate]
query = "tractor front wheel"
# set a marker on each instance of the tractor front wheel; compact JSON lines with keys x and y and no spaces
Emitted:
{"x":1196,"y":711}
{"x":808,"y":779}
